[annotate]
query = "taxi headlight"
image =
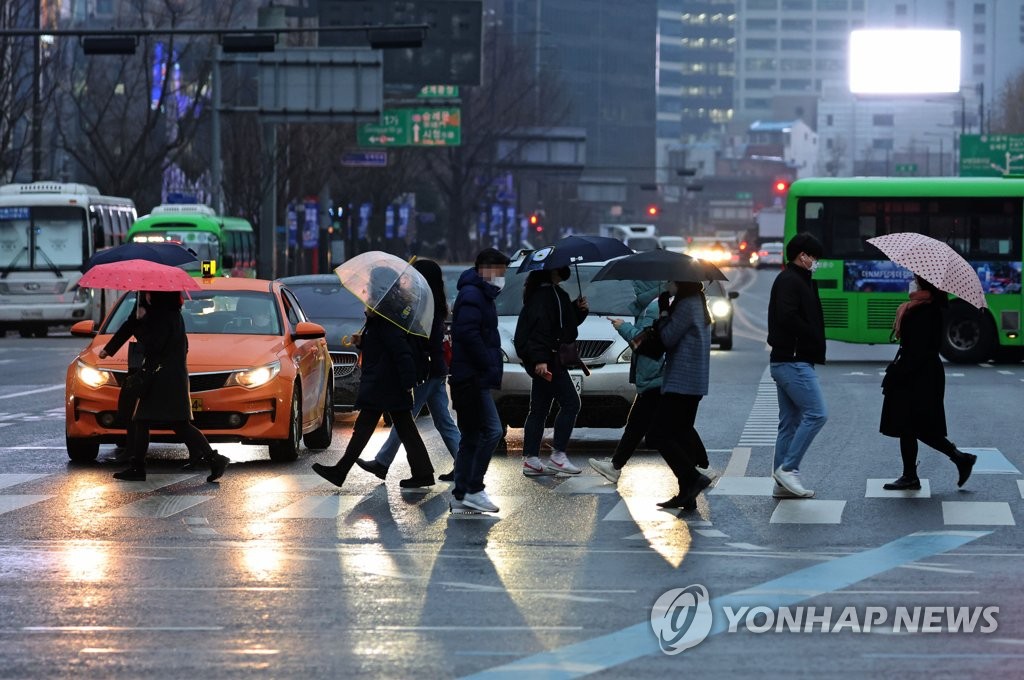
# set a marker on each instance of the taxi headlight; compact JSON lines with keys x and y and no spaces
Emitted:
{"x":255,"y":377}
{"x":720,"y":309}
{"x":626,"y":356}
{"x":92,"y":377}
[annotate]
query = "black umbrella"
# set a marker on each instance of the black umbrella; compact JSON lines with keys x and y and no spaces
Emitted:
{"x":659,"y":265}
{"x":170,"y":254}
{"x":572,"y":250}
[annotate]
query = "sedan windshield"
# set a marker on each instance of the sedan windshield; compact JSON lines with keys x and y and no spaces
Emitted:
{"x":215,"y":312}
{"x":327,"y":301}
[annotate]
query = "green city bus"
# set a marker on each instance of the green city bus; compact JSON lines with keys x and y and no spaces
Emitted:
{"x":228,"y":241}
{"x":980,"y":218}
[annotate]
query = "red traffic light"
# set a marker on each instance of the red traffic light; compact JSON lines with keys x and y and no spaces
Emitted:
{"x":652,"y":210}
{"x":781,"y":186}
{"x":533,"y":219}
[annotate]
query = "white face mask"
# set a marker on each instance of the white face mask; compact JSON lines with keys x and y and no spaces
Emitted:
{"x":913,"y":287}
{"x":497,"y":281}
{"x":814,"y":264}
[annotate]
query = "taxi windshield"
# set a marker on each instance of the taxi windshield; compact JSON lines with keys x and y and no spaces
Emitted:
{"x":216,"y":313}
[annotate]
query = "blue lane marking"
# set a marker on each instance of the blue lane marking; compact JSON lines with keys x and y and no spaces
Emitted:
{"x":613,"y":649}
{"x":992,"y":462}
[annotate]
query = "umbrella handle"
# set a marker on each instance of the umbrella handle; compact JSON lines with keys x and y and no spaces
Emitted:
{"x":579,"y":284}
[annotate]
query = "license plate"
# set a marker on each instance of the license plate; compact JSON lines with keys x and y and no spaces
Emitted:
{"x":197,"y":404}
{"x":577,"y":382}
{"x":31,"y":314}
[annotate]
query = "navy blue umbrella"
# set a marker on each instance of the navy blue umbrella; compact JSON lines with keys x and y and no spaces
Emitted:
{"x":170,"y":254}
{"x":659,"y":265}
{"x":572,"y":250}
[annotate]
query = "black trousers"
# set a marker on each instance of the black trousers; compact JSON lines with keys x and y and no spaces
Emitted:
{"x":402,"y":421}
{"x":908,"y":451}
{"x":675,"y":437}
{"x":638,"y":423}
{"x":138,"y":439}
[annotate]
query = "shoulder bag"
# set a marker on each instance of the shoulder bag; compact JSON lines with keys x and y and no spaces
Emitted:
{"x":568,"y":352}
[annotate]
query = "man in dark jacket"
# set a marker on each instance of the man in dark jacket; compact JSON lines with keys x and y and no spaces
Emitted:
{"x":476,"y":370}
{"x":796,"y":333}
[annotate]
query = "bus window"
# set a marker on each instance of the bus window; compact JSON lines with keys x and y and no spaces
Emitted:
{"x":96,"y":228}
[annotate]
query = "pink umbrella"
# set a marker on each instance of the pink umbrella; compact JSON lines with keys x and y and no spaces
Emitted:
{"x":138,"y":275}
{"x":935,"y":262}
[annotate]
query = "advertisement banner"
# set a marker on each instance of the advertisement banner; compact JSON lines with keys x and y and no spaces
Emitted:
{"x":389,"y":222}
{"x":311,"y":225}
{"x":365,"y":210}
{"x":403,"y":221}
{"x":292,"y":224}
{"x":885,"y":276}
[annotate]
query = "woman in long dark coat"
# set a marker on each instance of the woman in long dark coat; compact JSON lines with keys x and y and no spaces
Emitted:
{"x":385,"y":386}
{"x":913,"y":408}
{"x":164,"y":402}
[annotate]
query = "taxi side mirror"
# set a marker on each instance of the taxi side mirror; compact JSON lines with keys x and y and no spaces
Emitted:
{"x":307,"y":330}
{"x":84,"y":329}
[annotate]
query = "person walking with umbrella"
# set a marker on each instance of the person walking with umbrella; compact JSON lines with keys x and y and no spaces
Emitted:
{"x":914,"y":386}
{"x":163,"y":396}
{"x":389,"y":371}
{"x":548,"y":320}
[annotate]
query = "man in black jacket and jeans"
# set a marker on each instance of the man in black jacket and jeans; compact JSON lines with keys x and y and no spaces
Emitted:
{"x":796,"y":333}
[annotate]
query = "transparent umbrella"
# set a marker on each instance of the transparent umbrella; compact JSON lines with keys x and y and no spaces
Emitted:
{"x":391,"y":288}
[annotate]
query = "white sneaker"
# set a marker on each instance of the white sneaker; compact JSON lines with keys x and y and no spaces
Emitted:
{"x":559,"y":462}
{"x":605,"y":469}
{"x":532,"y":467}
{"x":790,"y":481}
{"x":455,"y":506}
{"x":782,"y":492}
{"x":479,"y":501}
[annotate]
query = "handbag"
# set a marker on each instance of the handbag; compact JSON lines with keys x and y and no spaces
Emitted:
{"x":136,"y":386}
{"x":648,"y":343}
{"x":569,"y":352}
{"x":893,"y":377}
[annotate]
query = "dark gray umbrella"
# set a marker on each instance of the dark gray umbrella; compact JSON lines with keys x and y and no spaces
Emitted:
{"x":659,"y":265}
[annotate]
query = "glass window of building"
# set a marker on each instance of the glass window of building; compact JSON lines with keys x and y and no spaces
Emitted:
{"x":759,"y":83}
{"x":979,"y":29}
{"x":753,"y":103}
{"x":797,"y":25}
{"x":831,"y":65}
{"x":795,"y":84}
{"x":834,"y":25}
{"x":831,"y":45}
{"x":761,"y":24}
{"x":762,"y":4}
{"x":761,"y":43}
{"x":883,"y":119}
{"x":796,"y":64}
{"x":833,"y":5}
{"x":979,"y":8}
{"x":796,"y":5}
{"x":881,"y":144}
{"x":761,"y":64}
{"x":979,"y":48}
{"x":792,"y":45}
{"x":901,"y":10}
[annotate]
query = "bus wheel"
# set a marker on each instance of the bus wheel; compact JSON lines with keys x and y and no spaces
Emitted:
{"x":25,"y":332}
{"x":40,"y":331}
{"x":968,"y":335}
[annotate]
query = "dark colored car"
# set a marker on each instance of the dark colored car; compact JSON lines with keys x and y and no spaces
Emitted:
{"x":326,"y":302}
{"x":720,"y":303}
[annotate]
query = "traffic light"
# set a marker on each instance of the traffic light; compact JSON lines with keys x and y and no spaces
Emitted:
{"x":780,"y":187}
{"x":535,"y":223}
{"x":652,"y":211}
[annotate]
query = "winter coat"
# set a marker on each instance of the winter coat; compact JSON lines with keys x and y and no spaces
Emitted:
{"x":438,"y":366}
{"x":913,"y":405}
{"x":548,"y":319}
{"x":796,"y":326}
{"x":476,"y":343}
{"x":646,"y":373}
{"x":686,"y":335}
{"x":165,"y":346}
{"x":388,"y":367}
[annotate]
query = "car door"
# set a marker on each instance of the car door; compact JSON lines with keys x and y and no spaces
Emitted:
{"x":309,"y":356}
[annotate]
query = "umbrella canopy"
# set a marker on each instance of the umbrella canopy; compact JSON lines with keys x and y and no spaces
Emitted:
{"x":170,"y":254}
{"x":660,"y":265}
{"x":935,"y":262}
{"x":573,"y":250}
{"x":391,"y":288}
{"x":138,"y":275}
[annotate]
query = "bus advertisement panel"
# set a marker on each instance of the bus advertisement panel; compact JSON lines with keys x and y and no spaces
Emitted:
{"x":982,"y":219}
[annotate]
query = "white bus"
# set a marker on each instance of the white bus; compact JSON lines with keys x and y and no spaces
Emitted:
{"x":48,"y":230}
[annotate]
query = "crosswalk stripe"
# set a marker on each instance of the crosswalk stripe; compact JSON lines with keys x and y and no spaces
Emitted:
{"x":9,"y":503}
{"x":8,"y":480}
{"x":152,"y":483}
{"x":289,"y":484}
{"x":317,"y":507}
{"x":157,"y":507}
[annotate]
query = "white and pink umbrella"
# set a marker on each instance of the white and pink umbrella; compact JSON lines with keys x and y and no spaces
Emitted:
{"x":935,"y":262}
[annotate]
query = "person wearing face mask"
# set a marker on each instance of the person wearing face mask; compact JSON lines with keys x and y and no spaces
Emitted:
{"x":913,"y":407}
{"x":476,"y":369}
{"x":548,"y":319}
{"x":796,"y":333}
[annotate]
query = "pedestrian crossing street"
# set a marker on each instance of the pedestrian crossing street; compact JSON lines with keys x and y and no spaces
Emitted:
{"x":162,"y":497}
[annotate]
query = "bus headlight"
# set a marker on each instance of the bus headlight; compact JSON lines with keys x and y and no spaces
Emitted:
{"x":92,"y":377}
{"x":255,"y":377}
{"x":720,"y":309}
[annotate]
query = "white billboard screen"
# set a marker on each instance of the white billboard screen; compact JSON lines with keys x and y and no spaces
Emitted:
{"x":898,"y":62}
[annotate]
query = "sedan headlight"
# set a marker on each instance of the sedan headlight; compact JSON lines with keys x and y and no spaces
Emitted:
{"x":504,"y":357}
{"x":92,"y":377}
{"x":720,"y":309}
{"x":626,"y":356}
{"x":255,"y":377}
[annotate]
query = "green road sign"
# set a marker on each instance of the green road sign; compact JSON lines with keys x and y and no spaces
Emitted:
{"x":905,"y":168}
{"x":744,"y":196}
{"x":439,"y":92}
{"x":413,"y":127}
{"x":991,"y":155}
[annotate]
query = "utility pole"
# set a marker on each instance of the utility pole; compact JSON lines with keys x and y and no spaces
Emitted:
{"x":37,"y":104}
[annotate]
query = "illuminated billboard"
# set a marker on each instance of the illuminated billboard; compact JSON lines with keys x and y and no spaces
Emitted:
{"x":904,"y":62}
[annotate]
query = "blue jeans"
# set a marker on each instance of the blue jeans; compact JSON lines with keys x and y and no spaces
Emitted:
{"x":435,"y":396}
{"x":802,"y":411}
{"x":542,"y":393}
{"x":478,"y":442}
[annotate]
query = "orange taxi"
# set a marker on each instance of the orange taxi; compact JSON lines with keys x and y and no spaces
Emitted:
{"x":259,"y":372}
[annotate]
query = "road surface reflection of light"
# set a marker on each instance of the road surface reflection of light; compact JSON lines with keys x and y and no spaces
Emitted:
{"x":263,"y":560}
{"x":86,"y":562}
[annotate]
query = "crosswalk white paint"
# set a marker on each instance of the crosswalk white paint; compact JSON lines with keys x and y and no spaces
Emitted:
{"x":991,"y":462}
{"x":153,"y":482}
{"x":743,"y":486}
{"x":762,"y":423}
{"x":9,"y":480}
{"x":157,"y":507}
{"x":317,"y":507}
{"x":977,"y":513}
{"x":585,"y":484}
{"x":11,"y":502}
{"x":808,"y":511}
{"x":289,"y":484}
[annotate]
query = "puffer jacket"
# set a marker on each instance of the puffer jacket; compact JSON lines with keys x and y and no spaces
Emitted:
{"x":476,"y":343}
{"x":646,"y":373}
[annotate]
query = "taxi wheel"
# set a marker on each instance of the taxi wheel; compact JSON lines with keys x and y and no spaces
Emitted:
{"x":82,"y":450}
{"x":321,"y":437}
{"x":287,"y":450}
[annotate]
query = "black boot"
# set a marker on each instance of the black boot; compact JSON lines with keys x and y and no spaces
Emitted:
{"x":904,"y":483}
{"x":687,"y":497}
{"x":373,"y":467}
{"x":132,"y":474}
{"x":331,"y":473}
{"x":420,"y":482}
{"x":964,"y":465}
{"x":218,"y":464}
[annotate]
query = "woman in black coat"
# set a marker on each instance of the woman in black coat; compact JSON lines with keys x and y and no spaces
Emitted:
{"x":163,"y":399}
{"x":388,"y":378}
{"x":915,"y":384}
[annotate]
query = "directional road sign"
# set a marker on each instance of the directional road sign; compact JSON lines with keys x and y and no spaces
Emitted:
{"x":991,"y":155}
{"x":414,"y":127}
{"x":365,"y":159}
